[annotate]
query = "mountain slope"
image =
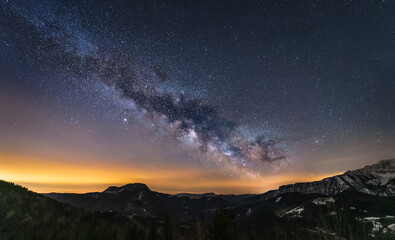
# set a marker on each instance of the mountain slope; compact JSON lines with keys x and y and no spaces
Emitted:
{"x":131,"y":199}
{"x":358,"y":204}
{"x":377,"y":179}
{"x":28,"y":215}
{"x":138,"y":200}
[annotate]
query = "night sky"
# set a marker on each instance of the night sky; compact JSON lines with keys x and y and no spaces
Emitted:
{"x":196,"y":96}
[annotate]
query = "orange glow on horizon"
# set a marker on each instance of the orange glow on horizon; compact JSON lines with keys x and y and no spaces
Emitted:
{"x":45,"y":176}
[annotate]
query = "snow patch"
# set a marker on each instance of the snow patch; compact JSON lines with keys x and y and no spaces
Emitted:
{"x":376,"y":226}
{"x":375,"y":222}
{"x":333,"y":213}
{"x":248,"y":213}
{"x":385,"y":177}
{"x":278,"y":199}
{"x":391,"y":227}
{"x":140,"y":195}
{"x":297,"y":210}
{"x":323,"y":201}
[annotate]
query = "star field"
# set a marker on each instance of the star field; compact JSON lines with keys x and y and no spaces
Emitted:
{"x":248,"y":88}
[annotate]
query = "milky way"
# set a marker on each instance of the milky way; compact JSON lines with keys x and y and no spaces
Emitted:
{"x":250,"y":92}
{"x":61,"y":51}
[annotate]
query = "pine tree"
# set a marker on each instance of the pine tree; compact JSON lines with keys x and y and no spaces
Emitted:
{"x":201,"y":229}
{"x":167,"y":229}
{"x":223,"y":226}
{"x":152,"y":233}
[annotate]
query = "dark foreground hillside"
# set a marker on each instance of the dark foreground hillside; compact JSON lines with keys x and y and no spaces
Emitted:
{"x":349,"y":215}
{"x":27,"y":215}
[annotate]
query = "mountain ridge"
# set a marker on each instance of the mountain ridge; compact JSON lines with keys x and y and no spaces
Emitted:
{"x":362,"y":196}
{"x":138,"y":200}
{"x":378,"y":174}
{"x":376,"y":179}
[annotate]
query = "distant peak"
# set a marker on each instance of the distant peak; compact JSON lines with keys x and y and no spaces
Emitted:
{"x":388,"y":162}
{"x":135,"y":185}
{"x":384,"y":166}
{"x":196,"y":195}
{"x":128,"y":187}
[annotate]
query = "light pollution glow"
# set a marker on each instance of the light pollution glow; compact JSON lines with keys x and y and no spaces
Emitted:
{"x":244,"y":110}
{"x":45,"y":176}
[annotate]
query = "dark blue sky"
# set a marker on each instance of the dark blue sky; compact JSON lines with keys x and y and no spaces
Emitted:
{"x":252,"y":86}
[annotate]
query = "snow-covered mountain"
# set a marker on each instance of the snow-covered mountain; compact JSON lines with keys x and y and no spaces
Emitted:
{"x":377,"y":179}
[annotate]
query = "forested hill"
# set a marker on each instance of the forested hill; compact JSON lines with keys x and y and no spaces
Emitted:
{"x":28,"y":215}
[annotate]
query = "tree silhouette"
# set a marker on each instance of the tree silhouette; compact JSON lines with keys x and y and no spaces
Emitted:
{"x":223,"y":226}
{"x":167,"y":229}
